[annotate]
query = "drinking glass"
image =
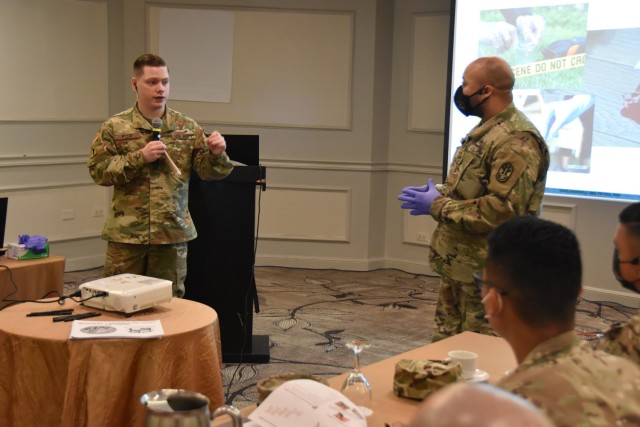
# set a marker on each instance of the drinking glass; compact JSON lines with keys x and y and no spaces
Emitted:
{"x":356,"y":386}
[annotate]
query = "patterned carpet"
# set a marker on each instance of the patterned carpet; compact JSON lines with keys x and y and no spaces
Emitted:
{"x":309,"y":314}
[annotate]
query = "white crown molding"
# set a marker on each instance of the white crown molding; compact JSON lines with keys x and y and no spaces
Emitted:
{"x":46,"y":160}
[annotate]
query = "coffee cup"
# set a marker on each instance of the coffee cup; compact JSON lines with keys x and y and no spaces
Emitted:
{"x":468,"y":361}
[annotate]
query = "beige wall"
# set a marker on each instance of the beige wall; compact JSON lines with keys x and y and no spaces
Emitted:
{"x":332,"y":178}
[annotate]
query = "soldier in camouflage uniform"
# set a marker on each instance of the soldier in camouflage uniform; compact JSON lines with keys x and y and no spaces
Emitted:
{"x":148,"y":225}
{"x":499,"y":172}
{"x":530,"y":284}
{"x":624,"y":339}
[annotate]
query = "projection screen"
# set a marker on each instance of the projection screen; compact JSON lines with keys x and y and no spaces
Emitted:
{"x":577,"y":68}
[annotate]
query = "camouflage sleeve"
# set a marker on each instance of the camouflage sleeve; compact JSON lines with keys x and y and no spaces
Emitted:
{"x":623,"y":340}
{"x":107,"y":166}
{"x":580,"y":388}
{"x":206,"y":165}
{"x":514,"y":172}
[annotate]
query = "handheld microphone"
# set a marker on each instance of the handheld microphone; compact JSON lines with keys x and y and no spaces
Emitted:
{"x":156,"y":125}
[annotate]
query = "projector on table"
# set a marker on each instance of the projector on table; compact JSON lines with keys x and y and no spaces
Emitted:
{"x":126,"y":293}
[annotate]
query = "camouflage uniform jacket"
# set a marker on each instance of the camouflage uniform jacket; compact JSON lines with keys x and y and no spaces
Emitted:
{"x":576,"y":385}
{"x":497,"y":173}
{"x":149,"y":204}
{"x":623,"y":340}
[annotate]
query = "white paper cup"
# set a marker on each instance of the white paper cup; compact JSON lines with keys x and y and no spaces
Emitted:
{"x":468,"y":361}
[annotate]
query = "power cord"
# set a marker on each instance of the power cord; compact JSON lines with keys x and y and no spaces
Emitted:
{"x":60,"y":300}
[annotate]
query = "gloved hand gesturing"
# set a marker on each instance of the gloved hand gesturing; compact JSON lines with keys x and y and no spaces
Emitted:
{"x":419,"y":199}
{"x":421,"y":189}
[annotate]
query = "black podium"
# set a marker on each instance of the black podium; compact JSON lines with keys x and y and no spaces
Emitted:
{"x":220,"y":261}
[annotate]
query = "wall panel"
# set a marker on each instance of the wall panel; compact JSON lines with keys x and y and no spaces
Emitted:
{"x":61,"y":214}
{"x":428,"y":72}
{"x":290,"y":69}
{"x":306,"y":213}
{"x":54,"y":64}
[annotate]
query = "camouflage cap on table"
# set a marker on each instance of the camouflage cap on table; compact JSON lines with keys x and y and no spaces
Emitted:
{"x":417,"y":379}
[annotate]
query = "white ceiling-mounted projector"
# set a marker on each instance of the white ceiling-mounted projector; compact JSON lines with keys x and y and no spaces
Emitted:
{"x":126,"y":293}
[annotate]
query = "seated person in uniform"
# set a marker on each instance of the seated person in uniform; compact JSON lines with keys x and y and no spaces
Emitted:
{"x":624,"y":339}
{"x":530,"y":286}
{"x":478,"y":405}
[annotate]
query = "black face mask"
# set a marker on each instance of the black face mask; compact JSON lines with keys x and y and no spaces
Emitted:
{"x":616,"y":271}
{"x":463,"y":102}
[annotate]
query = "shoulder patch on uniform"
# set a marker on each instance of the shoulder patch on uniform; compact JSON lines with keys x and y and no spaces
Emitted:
{"x":504,"y":173}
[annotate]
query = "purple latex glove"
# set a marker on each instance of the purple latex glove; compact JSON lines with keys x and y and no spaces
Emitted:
{"x":35,"y":243}
{"x":422,"y":189}
{"x":417,"y":200}
{"x":408,"y":195}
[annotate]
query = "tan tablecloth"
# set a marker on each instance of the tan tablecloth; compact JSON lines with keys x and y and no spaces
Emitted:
{"x":494,"y":357}
{"x":47,"y":379}
{"x":33,"y":278}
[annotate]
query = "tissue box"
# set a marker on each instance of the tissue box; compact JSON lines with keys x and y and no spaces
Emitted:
{"x":18,"y":251}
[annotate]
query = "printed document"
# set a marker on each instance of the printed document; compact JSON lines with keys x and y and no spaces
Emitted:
{"x":85,"y":329}
{"x":306,"y":403}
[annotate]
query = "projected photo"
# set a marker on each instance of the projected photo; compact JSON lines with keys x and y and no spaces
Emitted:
{"x":613,"y":75}
{"x":631,"y":108}
{"x":577,"y":71}
{"x":565,"y":121}
{"x":544,"y":45}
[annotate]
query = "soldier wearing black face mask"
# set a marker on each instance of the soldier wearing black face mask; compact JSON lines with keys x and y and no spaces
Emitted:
{"x":498,"y":173}
{"x":463,"y":102}
{"x":624,"y":339}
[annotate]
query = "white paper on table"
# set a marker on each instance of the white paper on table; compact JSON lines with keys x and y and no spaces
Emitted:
{"x":84,"y":329}
{"x":306,"y":403}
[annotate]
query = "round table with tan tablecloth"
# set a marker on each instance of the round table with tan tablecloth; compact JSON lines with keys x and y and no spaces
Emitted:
{"x":48,"y":379}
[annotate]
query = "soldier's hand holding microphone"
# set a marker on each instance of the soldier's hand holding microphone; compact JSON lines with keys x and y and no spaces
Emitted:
{"x":155,"y":149}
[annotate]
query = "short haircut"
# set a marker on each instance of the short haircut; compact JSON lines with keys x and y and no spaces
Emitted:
{"x":497,"y":72}
{"x":630,"y":216}
{"x":540,"y":261}
{"x":147,"y":60}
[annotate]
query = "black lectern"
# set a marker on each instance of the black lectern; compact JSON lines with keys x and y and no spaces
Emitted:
{"x":221,"y":259}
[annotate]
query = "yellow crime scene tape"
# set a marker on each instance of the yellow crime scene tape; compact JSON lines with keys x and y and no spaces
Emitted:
{"x":549,"y":65}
